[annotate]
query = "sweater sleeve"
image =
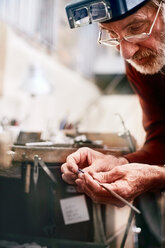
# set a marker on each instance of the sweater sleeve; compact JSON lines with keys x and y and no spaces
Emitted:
{"x":151,"y":92}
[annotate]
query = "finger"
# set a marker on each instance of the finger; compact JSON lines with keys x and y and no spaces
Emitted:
{"x":109,"y":176}
{"x":79,"y":185}
{"x":104,"y":163}
{"x":99,"y":194}
{"x":67,"y":172}
{"x":64,"y":168}
{"x":69,"y":180}
{"x":81,"y":158}
{"x":94,"y":167}
{"x":72,"y":165}
{"x":92,"y":185}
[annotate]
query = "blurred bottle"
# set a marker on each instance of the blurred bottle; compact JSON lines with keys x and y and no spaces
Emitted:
{"x":5,"y":144}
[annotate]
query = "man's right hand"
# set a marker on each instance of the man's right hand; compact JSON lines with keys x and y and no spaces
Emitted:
{"x":90,"y":161}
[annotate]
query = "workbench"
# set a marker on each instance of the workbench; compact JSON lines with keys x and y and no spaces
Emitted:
{"x":35,"y":215}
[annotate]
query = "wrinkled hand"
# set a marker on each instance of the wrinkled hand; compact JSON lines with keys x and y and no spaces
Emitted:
{"x":129,"y":181}
{"x":90,"y":161}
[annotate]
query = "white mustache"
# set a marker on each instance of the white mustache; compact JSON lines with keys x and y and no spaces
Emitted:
{"x":143,"y":54}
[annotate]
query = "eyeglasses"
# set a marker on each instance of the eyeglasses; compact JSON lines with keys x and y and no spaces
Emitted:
{"x":104,"y":34}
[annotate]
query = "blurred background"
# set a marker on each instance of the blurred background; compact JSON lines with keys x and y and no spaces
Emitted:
{"x":53,"y":78}
{"x":50,"y":74}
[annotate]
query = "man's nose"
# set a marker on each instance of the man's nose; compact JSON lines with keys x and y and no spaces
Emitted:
{"x":128,"y":49}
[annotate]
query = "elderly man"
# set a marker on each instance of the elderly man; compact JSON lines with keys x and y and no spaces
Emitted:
{"x":137,"y":30}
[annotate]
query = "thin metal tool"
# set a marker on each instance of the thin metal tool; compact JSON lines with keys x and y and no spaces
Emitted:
{"x":130,"y":219}
{"x":127,"y":134}
{"x":46,"y":169}
{"x":120,"y":198}
{"x":35,"y":172}
{"x":116,"y":195}
{"x":27,"y":178}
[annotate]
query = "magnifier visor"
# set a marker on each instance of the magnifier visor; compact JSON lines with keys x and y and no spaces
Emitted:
{"x":98,"y":11}
{"x":87,"y":11}
{"x":93,"y":12}
{"x":84,"y":12}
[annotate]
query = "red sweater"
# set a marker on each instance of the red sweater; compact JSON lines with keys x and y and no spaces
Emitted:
{"x":151,"y":92}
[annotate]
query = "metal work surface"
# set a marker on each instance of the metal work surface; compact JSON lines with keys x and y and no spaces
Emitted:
{"x":56,"y":154}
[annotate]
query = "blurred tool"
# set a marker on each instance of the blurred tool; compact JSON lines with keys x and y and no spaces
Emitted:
{"x":42,"y":143}
{"x":131,"y":216}
{"x":127,"y":134}
{"x":35,"y":172}
{"x":27,"y":178}
{"x":46,"y":169}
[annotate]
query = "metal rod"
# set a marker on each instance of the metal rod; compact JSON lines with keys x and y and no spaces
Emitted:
{"x":131,"y":216}
{"x":120,"y":198}
{"x":46,"y":169}
{"x":35,"y":172}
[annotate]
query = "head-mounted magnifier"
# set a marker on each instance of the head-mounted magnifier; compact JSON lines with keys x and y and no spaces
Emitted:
{"x":84,"y":12}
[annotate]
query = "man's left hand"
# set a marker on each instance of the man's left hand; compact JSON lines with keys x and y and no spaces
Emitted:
{"x":128,"y":181}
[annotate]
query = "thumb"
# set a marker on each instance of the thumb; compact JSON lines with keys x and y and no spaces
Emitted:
{"x":108,"y":177}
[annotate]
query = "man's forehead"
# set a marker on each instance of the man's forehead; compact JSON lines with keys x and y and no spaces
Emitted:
{"x":140,"y":15}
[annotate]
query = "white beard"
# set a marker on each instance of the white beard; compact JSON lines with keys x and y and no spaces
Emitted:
{"x":156,"y":64}
{"x":150,"y":68}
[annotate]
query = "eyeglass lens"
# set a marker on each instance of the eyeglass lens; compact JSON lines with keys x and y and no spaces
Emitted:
{"x":81,"y":16}
{"x":98,"y":11}
{"x":105,"y":38}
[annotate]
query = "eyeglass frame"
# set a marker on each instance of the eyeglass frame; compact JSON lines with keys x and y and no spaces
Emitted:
{"x":130,"y":36}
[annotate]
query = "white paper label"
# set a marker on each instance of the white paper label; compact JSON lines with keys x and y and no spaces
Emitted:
{"x":74,"y":209}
